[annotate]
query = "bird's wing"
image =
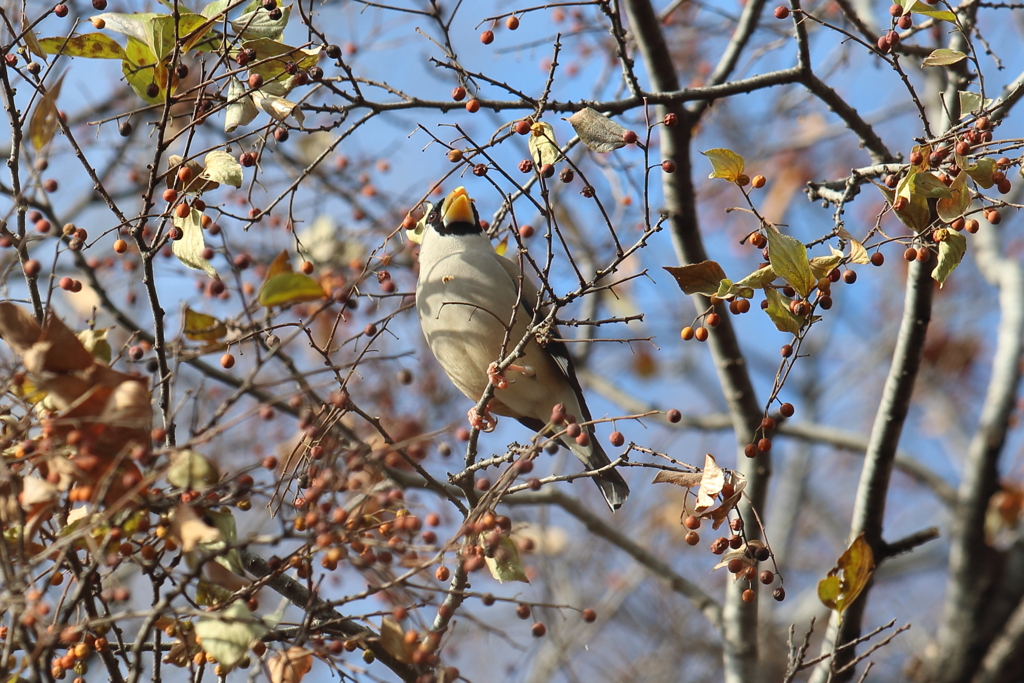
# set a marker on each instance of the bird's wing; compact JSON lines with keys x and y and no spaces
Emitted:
{"x":556,"y":349}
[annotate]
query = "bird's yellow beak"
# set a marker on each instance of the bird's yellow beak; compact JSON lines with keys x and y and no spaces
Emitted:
{"x":458,"y":208}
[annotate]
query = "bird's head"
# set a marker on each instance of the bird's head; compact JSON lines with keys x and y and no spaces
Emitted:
{"x":454,"y":215}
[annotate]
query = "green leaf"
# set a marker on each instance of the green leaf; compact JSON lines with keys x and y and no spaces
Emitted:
{"x":272,"y":60}
{"x":982,"y":171}
{"x":240,"y":110}
{"x":189,"y":249}
{"x":223,"y":168}
{"x":952,"y":208}
{"x":289,"y":288}
{"x":928,"y":11}
{"x":95,"y":342}
{"x":778,"y":311}
{"x":727,"y":289}
{"x":131,"y":25}
{"x":210,"y":594}
{"x":89,"y":45}
{"x":971,"y":102}
{"x":42,"y":125}
{"x":727,"y":164}
{"x":943,"y":57}
{"x":788,"y":258}
{"x":505,"y":565}
{"x":225,"y":523}
{"x":543,"y":146}
{"x":226,"y":635}
{"x":216,"y":9}
{"x":928,"y":186}
{"x":759,"y":279}
{"x":597,"y":131}
{"x":190,"y":470}
{"x":140,"y":69}
{"x":848,"y":578}
{"x":698,"y":278}
{"x":258,"y":24}
{"x":952,"y":248}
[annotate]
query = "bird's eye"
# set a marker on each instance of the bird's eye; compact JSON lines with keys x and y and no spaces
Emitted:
{"x":432,"y":216}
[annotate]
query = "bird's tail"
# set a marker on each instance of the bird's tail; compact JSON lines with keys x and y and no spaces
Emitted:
{"x":613,"y":486}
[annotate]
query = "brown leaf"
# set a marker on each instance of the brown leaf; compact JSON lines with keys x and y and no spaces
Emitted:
{"x":18,"y":327}
{"x":711,"y":482}
{"x":684,"y":479}
{"x":291,"y":665}
{"x":392,"y":639}
{"x":698,"y":278}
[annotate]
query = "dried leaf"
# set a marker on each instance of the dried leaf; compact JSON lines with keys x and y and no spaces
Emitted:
{"x":698,"y":278}
{"x":392,"y":639}
{"x":191,"y":530}
{"x":711,"y":483}
{"x":290,"y":666}
{"x":685,"y":479}
{"x":18,"y":327}
{"x":759,"y":279}
{"x":821,"y":265}
{"x":848,"y":578}
{"x":597,"y":131}
{"x":278,"y":107}
{"x":982,"y":171}
{"x":189,"y":249}
{"x":728,"y":165}
{"x":971,"y":102}
{"x":543,"y":148}
{"x":289,"y":288}
{"x":788,"y":257}
{"x":42,"y":125}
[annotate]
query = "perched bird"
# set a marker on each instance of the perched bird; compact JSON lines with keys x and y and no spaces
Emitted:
{"x":470,"y":304}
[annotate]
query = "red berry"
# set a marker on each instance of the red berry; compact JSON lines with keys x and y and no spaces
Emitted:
{"x":787,"y":410}
{"x":674,"y":416}
{"x":473,"y":106}
{"x":670,"y":120}
{"x":227,"y":361}
{"x":692,"y":523}
{"x":629,"y":137}
{"x":781,"y":12}
{"x":668,"y":166}
{"x":487,"y":37}
{"x":692,"y":538}
{"x":512,"y":23}
{"x":458,"y":93}
{"x":538,"y":630}
{"x":589,"y":615}
{"x":877,"y":259}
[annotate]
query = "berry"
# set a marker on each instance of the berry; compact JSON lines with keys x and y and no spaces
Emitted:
{"x":589,"y":615}
{"x":712,"y":320}
{"x":963,"y":148}
{"x":849,"y":276}
{"x":480,"y":170}
{"x":525,"y":166}
{"x":547,"y":170}
{"x":768,"y":424}
{"x":523,"y":611}
{"x":125,"y":129}
{"x":281,"y":134}
{"x":786,"y":350}
{"x":910,"y":254}
{"x":227,"y":361}
{"x":764,"y":445}
{"x":333,"y":51}
{"x":60,"y":10}
{"x":767,"y":577}
{"x":487,"y":37}
{"x":473,"y":106}
{"x":749,"y":596}
{"x":458,"y":93}
{"x":182,"y":210}
{"x":32,"y":267}
{"x":538,"y":630}
{"x":692,"y":523}
{"x":701,"y":333}
{"x":877,"y":259}
{"x":566,"y":175}
{"x":526,"y":231}
{"x":787,"y":410}
{"x":170,"y":195}
{"x":315,"y":73}
{"x":99,"y":5}
{"x":152,"y":90}
{"x":779,"y":594}
{"x":735,"y":565}
{"x":924,"y":254}
{"x":442,"y":573}
{"x":522,"y":127}
{"x":916,"y":158}
{"x":670,"y":120}
{"x":512,"y":23}
{"x":781,"y":12}
{"x":750,"y":450}
{"x":686,"y":333}
{"x":758,"y":181}
{"x":762,"y":554}
{"x":692,"y":538}
{"x":668,"y":166}
{"x":629,"y":137}
{"x":673,"y":416}
{"x":616,"y":439}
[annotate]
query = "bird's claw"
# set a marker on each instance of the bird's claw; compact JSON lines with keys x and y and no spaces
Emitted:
{"x":485,"y":422}
{"x":496,"y":377}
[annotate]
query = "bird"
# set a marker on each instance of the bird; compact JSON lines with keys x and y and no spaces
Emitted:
{"x":472,"y":303}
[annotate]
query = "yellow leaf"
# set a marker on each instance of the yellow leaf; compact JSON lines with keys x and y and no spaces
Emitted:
{"x":848,"y":578}
{"x":505,"y":564}
{"x":203,"y":327}
{"x":788,"y":258}
{"x":502,"y":246}
{"x":543,"y":148}
{"x":289,"y":288}
{"x":280,"y":264}
{"x":858,"y":254}
{"x":728,"y":165}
